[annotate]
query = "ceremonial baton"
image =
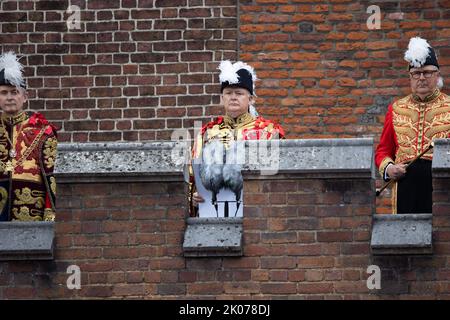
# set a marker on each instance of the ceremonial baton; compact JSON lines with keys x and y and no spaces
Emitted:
{"x":387,"y":184}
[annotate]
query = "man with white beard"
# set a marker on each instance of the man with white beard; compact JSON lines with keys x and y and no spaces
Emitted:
{"x":240,"y":122}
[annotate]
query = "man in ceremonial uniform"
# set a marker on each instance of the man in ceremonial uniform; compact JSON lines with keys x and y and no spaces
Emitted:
{"x":27,"y":152}
{"x":240,"y":122}
{"x":410,"y":125}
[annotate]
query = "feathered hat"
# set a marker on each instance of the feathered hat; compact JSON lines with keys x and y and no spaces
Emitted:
{"x":11,"y":70}
{"x":420,"y":54}
{"x":238,"y":74}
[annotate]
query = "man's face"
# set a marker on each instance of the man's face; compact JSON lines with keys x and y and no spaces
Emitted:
{"x":424,"y":80}
{"x":12,"y":99}
{"x":236,"y":101}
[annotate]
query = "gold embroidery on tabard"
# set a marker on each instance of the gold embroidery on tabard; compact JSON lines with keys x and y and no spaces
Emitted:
{"x":24,"y":215}
{"x":53,"y":185}
{"x":438,"y":123}
{"x":10,"y":166}
{"x":3,"y":198}
{"x":49,"y":215}
{"x":26,"y":196}
{"x":416,"y":124}
{"x":50,"y":152}
{"x":28,"y":177}
{"x":3,"y":144}
{"x":225,"y":135}
{"x":3,"y":151}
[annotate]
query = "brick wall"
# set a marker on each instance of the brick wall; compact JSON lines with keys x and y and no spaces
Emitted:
{"x":137,"y":69}
{"x":306,"y":237}
{"x":423,"y":277}
{"x":125,"y":237}
{"x":323,"y":72}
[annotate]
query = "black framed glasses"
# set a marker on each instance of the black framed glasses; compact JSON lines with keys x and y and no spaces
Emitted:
{"x":427,"y":74}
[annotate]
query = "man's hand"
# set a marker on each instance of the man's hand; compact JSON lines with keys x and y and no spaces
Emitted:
{"x":196,"y":199}
{"x":396,"y":171}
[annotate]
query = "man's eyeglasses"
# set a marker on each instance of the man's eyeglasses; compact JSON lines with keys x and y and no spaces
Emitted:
{"x":426,"y":74}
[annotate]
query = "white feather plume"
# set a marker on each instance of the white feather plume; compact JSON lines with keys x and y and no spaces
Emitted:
{"x":13,"y":68}
{"x":227,"y":72}
{"x":418,"y":51}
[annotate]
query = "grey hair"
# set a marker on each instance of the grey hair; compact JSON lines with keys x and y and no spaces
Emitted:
{"x":22,"y":90}
{"x":440,"y":82}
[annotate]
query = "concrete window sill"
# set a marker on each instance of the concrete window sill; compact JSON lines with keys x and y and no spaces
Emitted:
{"x":26,"y":240}
{"x":213,"y":237}
{"x":398,"y":234}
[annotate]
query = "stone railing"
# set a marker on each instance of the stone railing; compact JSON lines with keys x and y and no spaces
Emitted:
{"x":306,"y":230}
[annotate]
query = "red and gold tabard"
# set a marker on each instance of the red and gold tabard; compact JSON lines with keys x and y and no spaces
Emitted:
{"x":27,"y":158}
{"x":227,"y":129}
{"x":410,"y":126}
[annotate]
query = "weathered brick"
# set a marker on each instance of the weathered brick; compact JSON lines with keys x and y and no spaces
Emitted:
{"x":278,"y":288}
{"x":320,"y":70}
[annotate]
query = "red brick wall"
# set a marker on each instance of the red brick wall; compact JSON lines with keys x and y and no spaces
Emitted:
{"x":138,"y":69}
{"x":307,"y":238}
{"x":323,"y":72}
{"x":422,"y":277}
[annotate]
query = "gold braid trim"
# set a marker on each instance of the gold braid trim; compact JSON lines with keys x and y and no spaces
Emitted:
{"x":53,"y":185}
{"x":49,"y":215}
{"x":394,"y":198}
{"x":383,"y":165}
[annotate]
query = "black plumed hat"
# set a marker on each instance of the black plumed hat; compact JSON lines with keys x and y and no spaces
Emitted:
{"x":238,"y":74}
{"x":420,"y":54}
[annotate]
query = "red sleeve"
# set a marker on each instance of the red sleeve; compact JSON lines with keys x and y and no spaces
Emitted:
{"x":388,"y":141}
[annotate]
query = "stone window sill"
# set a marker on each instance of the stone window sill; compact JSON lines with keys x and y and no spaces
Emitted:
{"x":398,"y":234}
{"x":26,"y":240}
{"x":213,"y":237}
